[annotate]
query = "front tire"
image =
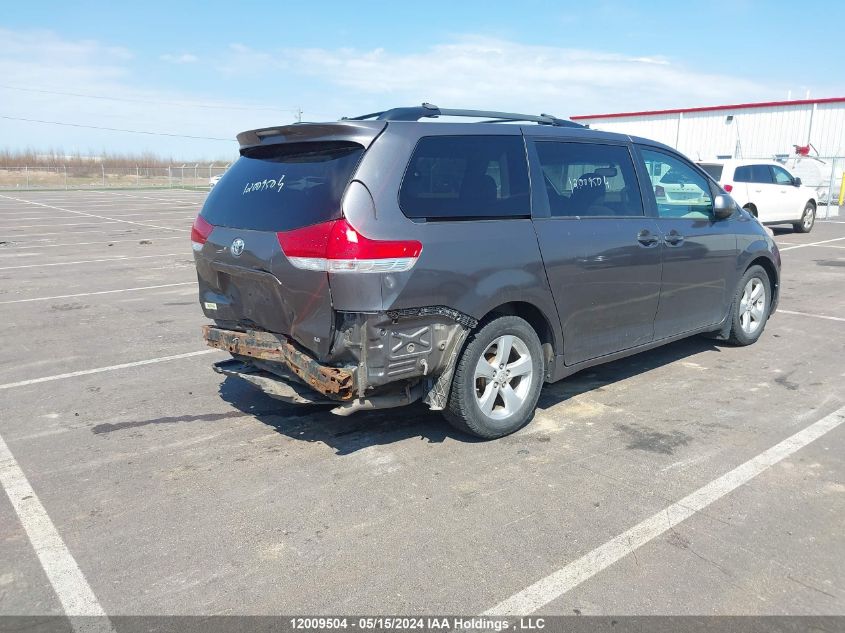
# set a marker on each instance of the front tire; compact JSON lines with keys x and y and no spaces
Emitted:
{"x":497,"y":380}
{"x":750,"y":307}
{"x":808,"y":219}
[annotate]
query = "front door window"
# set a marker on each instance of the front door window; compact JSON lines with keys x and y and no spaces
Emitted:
{"x":679,"y":190}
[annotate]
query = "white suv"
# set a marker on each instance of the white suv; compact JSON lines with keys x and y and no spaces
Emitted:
{"x":766,"y":190}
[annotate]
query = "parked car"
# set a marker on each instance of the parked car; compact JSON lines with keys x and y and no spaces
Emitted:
{"x":214,"y":180}
{"x":372,"y":262}
{"x":676,"y":187}
{"x":767,"y":191}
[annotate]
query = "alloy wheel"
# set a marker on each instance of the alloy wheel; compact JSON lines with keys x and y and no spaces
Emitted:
{"x":752,"y":306}
{"x":503,"y":377}
{"x":809,"y":218}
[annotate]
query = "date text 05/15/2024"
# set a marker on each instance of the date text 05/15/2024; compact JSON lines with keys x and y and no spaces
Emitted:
{"x":431,"y":623}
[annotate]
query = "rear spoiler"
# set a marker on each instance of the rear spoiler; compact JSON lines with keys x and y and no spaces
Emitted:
{"x":362,"y":132}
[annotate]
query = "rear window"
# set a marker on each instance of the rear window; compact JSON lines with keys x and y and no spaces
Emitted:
{"x":753,"y":173}
{"x":282,"y":187}
{"x":452,"y":177}
{"x":714,"y":171}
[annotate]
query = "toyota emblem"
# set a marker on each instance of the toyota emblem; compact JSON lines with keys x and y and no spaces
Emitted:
{"x":237,"y":247}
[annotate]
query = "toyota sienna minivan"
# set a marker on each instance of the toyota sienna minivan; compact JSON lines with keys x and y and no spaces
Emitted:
{"x":393,"y":257}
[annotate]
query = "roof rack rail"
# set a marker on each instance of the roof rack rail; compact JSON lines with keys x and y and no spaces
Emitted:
{"x":428,"y":110}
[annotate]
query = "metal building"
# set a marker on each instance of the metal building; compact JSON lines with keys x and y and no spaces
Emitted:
{"x":807,"y":135}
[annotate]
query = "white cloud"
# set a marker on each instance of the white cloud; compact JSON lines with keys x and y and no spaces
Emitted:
{"x":38,"y":56}
{"x":471,"y":72}
{"x":241,"y":60}
{"x":182,"y":58}
{"x":46,"y":77}
{"x":500,"y":74}
{"x":50,"y":46}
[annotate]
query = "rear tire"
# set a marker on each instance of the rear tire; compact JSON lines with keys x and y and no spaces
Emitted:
{"x":497,"y":380}
{"x":750,"y":308}
{"x":808,"y":219}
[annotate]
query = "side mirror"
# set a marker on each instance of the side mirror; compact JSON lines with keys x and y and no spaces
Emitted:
{"x":723,"y":207}
{"x":796,"y":182}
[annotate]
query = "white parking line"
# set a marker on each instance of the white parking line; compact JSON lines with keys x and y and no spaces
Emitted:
{"x":99,"y":370}
{"x":71,"y":201}
{"x":160,"y":214}
{"x":92,"y":261}
{"x":28,"y":216}
{"x":19,"y":210}
{"x":52,"y":224}
{"x":64,"y":574}
{"x":99,"y":292}
{"x":152,"y":211}
{"x":67,"y":233}
{"x":126,"y":195}
{"x":136,"y":240}
{"x":789,"y":248}
{"x":102,"y":217}
{"x":100,"y":202}
{"x":807,"y":314}
{"x":570,"y":576}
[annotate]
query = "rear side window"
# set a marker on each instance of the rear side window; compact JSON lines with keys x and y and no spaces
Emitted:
{"x":453,"y":177}
{"x":714,"y":171}
{"x":282,"y":187}
{"x":583,"y":179}
{"x":753,"y":173}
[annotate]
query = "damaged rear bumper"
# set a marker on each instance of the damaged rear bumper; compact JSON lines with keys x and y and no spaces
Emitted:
{"x":333,"y":382}
{"x":378,"y":360}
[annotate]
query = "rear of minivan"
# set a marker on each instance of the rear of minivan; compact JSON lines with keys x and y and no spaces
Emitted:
{"x":265,"y":242}
{"x":354,"y":258}
{"x":272,"y":228}
{"x":370,"y":264}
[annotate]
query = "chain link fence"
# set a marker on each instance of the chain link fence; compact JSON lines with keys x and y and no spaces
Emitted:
{"x":98,"y":176}
{"x":832,"y":198}
{"x":824,"y":175}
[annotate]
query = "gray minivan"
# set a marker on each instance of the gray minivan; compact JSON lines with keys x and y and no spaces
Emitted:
{"x":375,"y":261}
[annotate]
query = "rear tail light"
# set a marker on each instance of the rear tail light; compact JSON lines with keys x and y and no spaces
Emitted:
{"x":728,"y":188}
{"x":659,"y":192}
{"x":337,"y":247}
{"x":200,"y":232}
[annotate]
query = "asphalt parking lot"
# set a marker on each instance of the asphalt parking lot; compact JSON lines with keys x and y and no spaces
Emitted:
{"x":153,"y":486}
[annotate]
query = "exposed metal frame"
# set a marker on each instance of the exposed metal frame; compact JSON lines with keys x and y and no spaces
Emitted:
{"x":335,"y":382}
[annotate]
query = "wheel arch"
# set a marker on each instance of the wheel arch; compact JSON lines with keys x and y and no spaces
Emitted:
{"x":774,"y":279}
{"x":537,"y":319}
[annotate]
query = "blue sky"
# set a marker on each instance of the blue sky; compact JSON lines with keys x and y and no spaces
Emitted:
{"x":216,"y":68}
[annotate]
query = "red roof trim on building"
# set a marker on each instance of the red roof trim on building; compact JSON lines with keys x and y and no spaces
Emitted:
{"x":737,"y":106}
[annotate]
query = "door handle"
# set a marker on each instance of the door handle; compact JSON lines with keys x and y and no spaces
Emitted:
{"x":673,"y":238}
{"x":647,"y":238}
